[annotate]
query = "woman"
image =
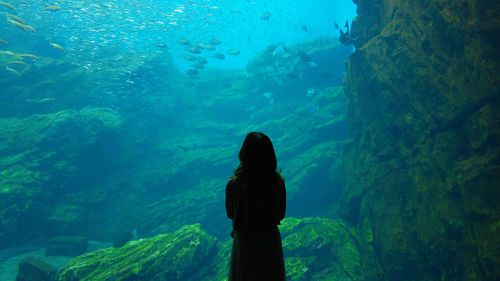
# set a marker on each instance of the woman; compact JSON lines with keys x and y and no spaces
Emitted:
{"x":256,"y":202}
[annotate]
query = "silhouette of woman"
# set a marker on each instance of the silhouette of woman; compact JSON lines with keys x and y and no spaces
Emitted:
{"x":256,"y":202}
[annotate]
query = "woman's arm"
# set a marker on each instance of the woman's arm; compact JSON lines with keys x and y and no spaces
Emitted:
{"x":281,"y":200}
{"x":230,"y":202}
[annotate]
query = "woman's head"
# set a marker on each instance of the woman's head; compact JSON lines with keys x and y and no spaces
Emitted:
{"x":257,"y":155}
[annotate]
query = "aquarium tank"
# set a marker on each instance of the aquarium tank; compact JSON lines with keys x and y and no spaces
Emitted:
{"x":121,"y":123}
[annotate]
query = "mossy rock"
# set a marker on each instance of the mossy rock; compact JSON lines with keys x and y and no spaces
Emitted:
{"x":324,"y":249}
{"x":181,"y":255}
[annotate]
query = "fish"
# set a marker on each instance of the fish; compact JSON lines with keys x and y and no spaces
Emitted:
{"x":47,"y":100}
{"x":189,"y":57}
{"x":234,"y":52}
{"x":198,"y":65}
{"x":11,"y":70}
{"x":192,"y":72}
{"x":52,"y":8}
{"x":205,"y":46}
{"x":3,"y":42}
{"x":214,"y":42}
{"x":202,"y":60}
{"x":17,"y":62}
{"x":313,"y":65}
{"x":44,"y":100}
{"x":8,"y":5}
{"x":183,"y":42}
{"x":57,"y":46}
{"x":304,"y":27}
{"x":161,"y":45}
{"x":15,"y":17}
{"x":29,"y":56}
{"x":8,"y":53}
{"x":22,"y":26}
{"x":219,"y":56}
{"x":29,"y":28}
{"x":265,"y":16}
{"x":193,"y":49}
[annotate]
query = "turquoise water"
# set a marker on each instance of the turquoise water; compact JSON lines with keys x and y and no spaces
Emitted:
{"x":82,"y":28}
{"x":112,"y":122}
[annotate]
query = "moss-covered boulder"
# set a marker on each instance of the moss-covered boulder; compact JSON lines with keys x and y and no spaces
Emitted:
{"x":183,"y":255}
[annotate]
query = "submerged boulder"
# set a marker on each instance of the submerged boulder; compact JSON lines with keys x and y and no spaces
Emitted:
{"x":182,"y":255}
{"x":31,"y":269}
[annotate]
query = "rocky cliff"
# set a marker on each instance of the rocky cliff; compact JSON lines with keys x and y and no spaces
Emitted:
{"x":422,"y":161}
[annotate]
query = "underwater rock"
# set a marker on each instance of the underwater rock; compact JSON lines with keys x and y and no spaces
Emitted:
{"x":31,"y":269}
{"x":40,"y":155}
{"x":183,"y":255}
{"x":66,"y":246}
{"x":421,"y":164}
{"x":318,"y":62}
{"x":325,"y":249}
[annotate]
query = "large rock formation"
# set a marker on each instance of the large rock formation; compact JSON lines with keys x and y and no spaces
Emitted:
{"x":43,"y":157}
{"x":422,"y":161}
{"x":314,"y":248}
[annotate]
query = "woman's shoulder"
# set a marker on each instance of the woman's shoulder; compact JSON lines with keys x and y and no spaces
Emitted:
{"x":236,"y":184}
{"x":234,"y":181}
{"x":280,"y":180}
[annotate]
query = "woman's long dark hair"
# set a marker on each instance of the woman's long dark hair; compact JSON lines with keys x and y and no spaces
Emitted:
{"x":257,"y":158}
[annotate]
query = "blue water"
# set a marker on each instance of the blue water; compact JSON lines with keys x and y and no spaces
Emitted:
{"x":84,"y":27}
{"x":180,"y":133}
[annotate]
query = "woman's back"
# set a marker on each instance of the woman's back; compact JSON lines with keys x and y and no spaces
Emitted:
{"x":262,"y":203}
{"x":256,"y":202}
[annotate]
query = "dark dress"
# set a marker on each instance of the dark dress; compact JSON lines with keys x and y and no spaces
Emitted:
{"x":256,"y":209}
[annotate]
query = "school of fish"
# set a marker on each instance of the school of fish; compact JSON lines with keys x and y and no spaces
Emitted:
{"x":81,"y":28}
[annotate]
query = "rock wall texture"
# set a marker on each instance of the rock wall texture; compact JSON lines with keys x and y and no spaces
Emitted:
{"x":422,"y":161}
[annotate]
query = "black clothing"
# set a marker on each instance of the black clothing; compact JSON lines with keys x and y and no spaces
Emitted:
{"x":256,"y":209}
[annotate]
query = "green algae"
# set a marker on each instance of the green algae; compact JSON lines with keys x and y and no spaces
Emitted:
{"x":419,"y":166}
{"x":38,"y":150}
{"x":314,"y":249}
{"x":320,"y":249}
{"x":181,"y":255}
